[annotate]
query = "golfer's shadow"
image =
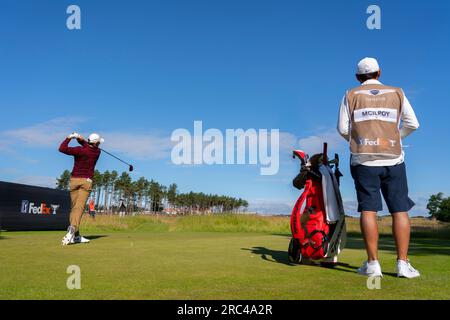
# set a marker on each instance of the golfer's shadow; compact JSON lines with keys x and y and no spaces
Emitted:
{"x":94,"y":237}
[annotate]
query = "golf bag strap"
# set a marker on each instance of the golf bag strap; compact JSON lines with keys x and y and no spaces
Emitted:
{"x":295,"y":218}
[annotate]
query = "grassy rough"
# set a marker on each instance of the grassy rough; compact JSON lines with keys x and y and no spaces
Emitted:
{"x":420,"y":227}
{"x":194,"y":223}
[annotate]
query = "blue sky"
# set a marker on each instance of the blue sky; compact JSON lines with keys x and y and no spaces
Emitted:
{"x":137,"y":70}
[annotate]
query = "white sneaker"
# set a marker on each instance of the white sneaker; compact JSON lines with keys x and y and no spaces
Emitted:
{"x":68,"y":238}
{"x":370,"y":269}
{"x":333,"y":259}
{"x":79,"y":239}
{"x":405,"y":270}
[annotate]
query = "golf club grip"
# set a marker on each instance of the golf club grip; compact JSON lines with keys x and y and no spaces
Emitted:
{"x":325,"y":151}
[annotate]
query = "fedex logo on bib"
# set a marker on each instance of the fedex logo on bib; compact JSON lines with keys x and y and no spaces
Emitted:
{"x":381,"y":114}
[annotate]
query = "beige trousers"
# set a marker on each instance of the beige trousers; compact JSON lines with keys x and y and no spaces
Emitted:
{"x":80,"y":188}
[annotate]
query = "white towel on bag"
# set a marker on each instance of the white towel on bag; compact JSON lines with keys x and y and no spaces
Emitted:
{"x":330,"y":200}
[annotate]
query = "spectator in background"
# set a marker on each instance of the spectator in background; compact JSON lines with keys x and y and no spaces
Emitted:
{"x":122,"y":209}
{"x":92,"y":208}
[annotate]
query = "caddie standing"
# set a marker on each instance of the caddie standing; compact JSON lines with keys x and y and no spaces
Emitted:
{"x":85,"y":156}
{"x":375,"y":118}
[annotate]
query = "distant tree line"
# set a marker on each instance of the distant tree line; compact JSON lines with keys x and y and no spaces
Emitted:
{"x":439,"y":207}
{"x":110,"y":188}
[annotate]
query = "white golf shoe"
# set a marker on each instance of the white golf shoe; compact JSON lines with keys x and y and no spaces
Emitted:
{"x":68,"y":238}
{"x":79,"y":239}
{"x":406,"y":270}
{"x":370,"y":269}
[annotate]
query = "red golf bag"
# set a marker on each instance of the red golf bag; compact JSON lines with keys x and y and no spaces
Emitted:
{"x":316,"y":236}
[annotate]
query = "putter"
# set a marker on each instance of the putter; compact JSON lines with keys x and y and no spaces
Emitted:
{"x":131,"y":168}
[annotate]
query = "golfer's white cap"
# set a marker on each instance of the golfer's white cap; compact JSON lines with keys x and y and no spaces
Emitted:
{"x":367,"y":65}
{"x":95,"y":138}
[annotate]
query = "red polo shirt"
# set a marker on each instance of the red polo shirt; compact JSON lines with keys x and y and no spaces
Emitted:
{"x":86,"y":157}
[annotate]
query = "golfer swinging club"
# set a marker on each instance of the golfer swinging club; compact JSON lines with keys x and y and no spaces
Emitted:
{"x":375,"y":118}
{"x":85,"y":157}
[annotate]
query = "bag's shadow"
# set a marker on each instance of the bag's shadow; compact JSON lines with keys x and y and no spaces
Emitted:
{"x":278,"y":256}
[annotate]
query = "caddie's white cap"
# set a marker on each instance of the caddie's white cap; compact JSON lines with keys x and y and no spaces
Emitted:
{"x":95,"y":138}
{"x":367,"y":65}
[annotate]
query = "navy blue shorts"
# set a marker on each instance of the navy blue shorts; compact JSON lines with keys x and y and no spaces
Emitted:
{"x":392,"y":182}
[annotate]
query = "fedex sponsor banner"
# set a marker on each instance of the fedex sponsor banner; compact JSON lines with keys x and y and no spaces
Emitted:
{"x":42,"y":208}
{"x":24,"y":207}
{"x":381,"y":114}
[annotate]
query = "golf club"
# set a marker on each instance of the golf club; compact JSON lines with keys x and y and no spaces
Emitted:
{"x":131,"y":168}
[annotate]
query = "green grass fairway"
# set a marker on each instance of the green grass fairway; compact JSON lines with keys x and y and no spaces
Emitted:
{"x":168,"y":264}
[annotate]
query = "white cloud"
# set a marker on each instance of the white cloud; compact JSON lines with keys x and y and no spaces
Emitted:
{"x":40,"y":181}
{"x":50,"y":133}
{"x":143,"y":146}
{"x":420,"y":209}
{"x":314,"y":144}
{"x":4,"y":145}
{"x":288,"y":142}
{"x":351,"y":207}
{"x":44,"y":134}
{"x":275,"y":207}
{"x":280,"y":207}
{"x":139,"y":146}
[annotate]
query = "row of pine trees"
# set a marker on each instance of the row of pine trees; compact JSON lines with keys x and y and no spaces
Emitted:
{"x":109,"y":189}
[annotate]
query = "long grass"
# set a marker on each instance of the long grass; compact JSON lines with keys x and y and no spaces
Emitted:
{"x":129,"y":223}
{"x":194,"y":223}
{"x":420,"y":227}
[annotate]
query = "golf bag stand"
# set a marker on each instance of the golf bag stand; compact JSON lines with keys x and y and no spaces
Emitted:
{"x":318,"y":218}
